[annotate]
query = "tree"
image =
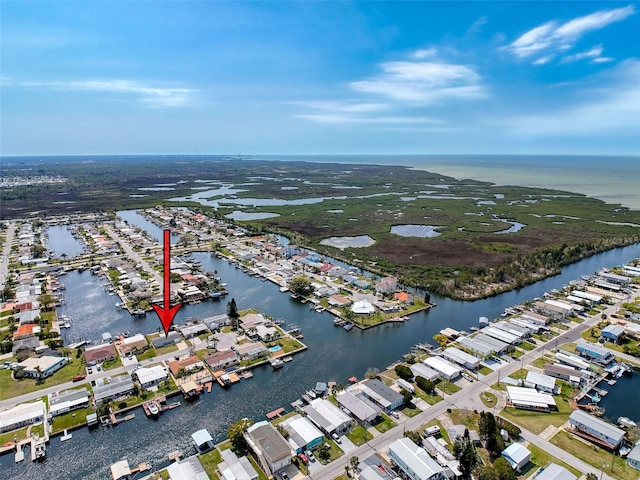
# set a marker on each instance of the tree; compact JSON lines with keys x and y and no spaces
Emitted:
{"x":406,"y":396}
{"x":426,"y":385}
{"x":353,"y":463}
{"x":232,"y":313}
{"x":235,"y":433}
{"x":371,"y":372}
{"x":488,"y":473}
{"x":465,"y":453}
{"x":441,"y":339}
{"x":414,"y":436}
{"x":403,"y":371}
{"x":323,"y":451}
{"x":301,"y":285}
{"x":504,"y":470}
{"x":592,"y":476}
{"x":46,"y":300}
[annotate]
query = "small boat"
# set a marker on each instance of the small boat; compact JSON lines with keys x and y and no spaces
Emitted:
{"x":40,"y":451}
{"x":66,"y":436}
{"x":626,"y":422}
{"x":153,"y":409}
{"x":624,"y":450}
{"x":348,"y":327}
{"x":277,"y":363}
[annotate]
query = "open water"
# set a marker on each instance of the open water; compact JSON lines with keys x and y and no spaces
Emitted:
{"x":333,"y":355}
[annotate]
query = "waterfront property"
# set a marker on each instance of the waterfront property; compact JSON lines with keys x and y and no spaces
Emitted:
{"x":596,"y":430}
{"x":271,"y":449}
{"x":633,"y":458}
{"x":361,"y":408}
{"x":187,"y":468}
{"x":68,"y":400}
{"x":446,"y":369}
{"x":381,"y":395}
{"x":150,"y":377}
{"x":115,"y":387}
{"x":422,"y":370}
{"x":329,"y":418}
{"x":233,"y":468}
{"x":594,"y":352}
{"x":303,"y":435}
{"x":22,"y":415}
{"x":414,"y":461}
{"x":541,"y":382}
{"x":530,"y":399}
{"x":99,"y":353}
{"x":461,"y":358}
{"x":202,"y":440}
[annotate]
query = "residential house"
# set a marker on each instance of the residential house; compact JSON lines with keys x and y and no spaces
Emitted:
{"x":99,"y":354}
{"x":270,"y":448}
{"x":517,"y":455}
{"x":414,"y":462}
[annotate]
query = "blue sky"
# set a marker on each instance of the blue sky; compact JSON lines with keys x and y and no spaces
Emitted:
{"x":199,"y":77}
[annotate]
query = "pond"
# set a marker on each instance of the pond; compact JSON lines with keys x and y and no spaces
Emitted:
{"x":346,"y":242}
{"x":422,"y":231}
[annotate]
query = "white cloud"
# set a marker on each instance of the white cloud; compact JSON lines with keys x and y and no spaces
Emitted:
{"x":594,"y":54}
{"x":152,"y":96}
{"x":552,"y":36}
{"x":423,"y":82}
{"x":357,"y":113}
{"x":425,"y":53}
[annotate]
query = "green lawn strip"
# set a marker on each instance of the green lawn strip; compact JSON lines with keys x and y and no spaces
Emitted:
{"x":261,"y":474}
{"x":282,"y":418}
{"x":527,"y":346}
{"x":447,"y":387}
{"x":12,"y":388}
{"x":147,"y":354}
{"x":595,"y":456}
{"x":484,"y":370}
{"x":359,"y":435}
{"x":430,"y":399}
{"x":465,"y":417}
{"x":210,"y":461}
{"x":165,"y":388}
{"x":488,"y":399}
{"x":288,"y":344}
{"x":541,"y":458}
{"x":166,"y":349}
{"x":70,"y":419}
{"x":410,"y":410}
{"x":111,"y":364}
{"x":383,"y":423}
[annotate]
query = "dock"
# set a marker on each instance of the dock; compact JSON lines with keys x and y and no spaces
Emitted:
{"x":276,"y":413}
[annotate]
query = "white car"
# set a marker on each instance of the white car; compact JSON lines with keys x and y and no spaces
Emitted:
{"x":336,"y":437}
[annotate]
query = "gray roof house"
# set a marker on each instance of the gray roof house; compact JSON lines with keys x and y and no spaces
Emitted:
{"x":378,"y":392}
{"x":595,"y":429}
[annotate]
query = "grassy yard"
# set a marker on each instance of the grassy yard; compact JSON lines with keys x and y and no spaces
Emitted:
{"x":359,"y":435}
{"x":147,"y":354}
{"x":484,"y":370}
{"x":465,"y":417}
{"x":111,"y":364}
{"x":71,"y":419}
{"x":13,"y":388}
{"x":540,"y":458}
{"x":488,"y":399}
{"x":20,"y":434}
{"x":410,"y":410}
{"x":383,"y":423}
{"x":166,"y":387}
{"x":430,"y":399}
{"x":616,"y":467}
{"x":447,"y":387}
{"x":538,"y":421}
{"x":335,"y":452}
{"x":210,"y":461}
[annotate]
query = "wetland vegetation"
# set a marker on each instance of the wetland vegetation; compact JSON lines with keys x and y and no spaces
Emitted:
{"x":472,"y":257}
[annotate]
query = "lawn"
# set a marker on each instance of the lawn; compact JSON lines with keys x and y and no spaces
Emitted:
{"x":488,"y":399}
{"x":111,"y":364}
{"x":430,"y":399}
{"x":335,"y":452}
{"x":538,"y":421}
{"x":465,"y":417}
{"x":410,"y":410}
{"x":13,"y":388}
{"x":210,"y":461}
{"x":167,"y":387}
{"x":147,"y":354}
{"x":540,"y":458}
{"x":20,"y":434}
{"x":71,"y":419}
{"x":383,"y":423}
{"x":615,"y":466}
{"x":359,"y":435}
{"x":447,"y":387}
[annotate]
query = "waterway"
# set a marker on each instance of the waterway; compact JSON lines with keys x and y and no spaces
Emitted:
{"x":62,"y":242}
{"x":333,"y":354}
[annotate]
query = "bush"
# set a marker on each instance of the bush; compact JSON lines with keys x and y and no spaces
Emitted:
{"x":403,"y":372}
{"x":512,"y":430}
{"x":426,"y":385}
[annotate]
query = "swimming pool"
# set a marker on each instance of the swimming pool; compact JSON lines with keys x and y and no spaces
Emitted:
{"x":275,"y":348}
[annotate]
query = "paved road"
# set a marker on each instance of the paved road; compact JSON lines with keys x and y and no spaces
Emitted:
{"x":4,"y":260}
{"x":468,"y":398}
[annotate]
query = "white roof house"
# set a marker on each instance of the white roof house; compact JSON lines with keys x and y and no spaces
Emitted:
{"x":327,"y":416}
{"x":188,"y":469}
{"x":302,"y":433}
{"x":540,"y":381}
{"x":21,"y":415}
{"x":421,"y":370}
{"x":414,"y":461}
{"x":592,"y":297}
{"x":501,"y":335}
{"x":604,"y":431}
{"x":234,"y":468}
{"x":462,"y":358}
{"x":530,"y":399}
{"x":447,"y":369}
{"x":149,"y":376}
{"x":361,"y":408}
{"x":362,"y":308}
{"x":65,"y":401}
{"x":202,"y":440}
{"x":517,"y":455}
{"x":553,"y":471}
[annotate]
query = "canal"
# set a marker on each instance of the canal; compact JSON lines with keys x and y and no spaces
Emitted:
{"x":333,"y":355}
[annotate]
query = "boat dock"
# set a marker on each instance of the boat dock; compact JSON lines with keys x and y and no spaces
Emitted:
{"x":276,"y":413}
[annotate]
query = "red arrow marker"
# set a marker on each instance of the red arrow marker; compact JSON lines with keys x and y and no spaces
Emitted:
{"x":167,"y":312}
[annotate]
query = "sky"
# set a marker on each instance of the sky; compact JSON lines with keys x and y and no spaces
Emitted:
{"x":329,"y":77}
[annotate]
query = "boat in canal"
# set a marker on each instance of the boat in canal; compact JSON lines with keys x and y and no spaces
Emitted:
{"x":277,"y":363}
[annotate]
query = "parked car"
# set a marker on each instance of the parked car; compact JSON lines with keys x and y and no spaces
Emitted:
{"x":336,"y":437}
{"x":395,"y":414}
{"x":309,"y":455}
{"x":303,"y":458}
{"x":77,"y":378}
{"x":284,"y":476}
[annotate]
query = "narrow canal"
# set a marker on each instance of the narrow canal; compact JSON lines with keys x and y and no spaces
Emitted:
{"x":333,"y":355}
